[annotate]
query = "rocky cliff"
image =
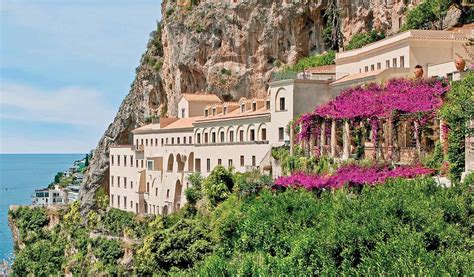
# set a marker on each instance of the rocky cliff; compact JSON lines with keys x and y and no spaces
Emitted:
{"x":229,"y":48}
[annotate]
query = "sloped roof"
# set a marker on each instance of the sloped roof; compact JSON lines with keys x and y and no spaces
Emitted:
{"x":200,"y":97}
{"x":353,"y":77}
{"x":326,"y":69}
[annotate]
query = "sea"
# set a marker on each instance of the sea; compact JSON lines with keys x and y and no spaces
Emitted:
{"x":20,"y":175}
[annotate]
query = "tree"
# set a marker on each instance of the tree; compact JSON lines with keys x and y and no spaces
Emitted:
{"x":218,"y":185}
{"x":86,"y":163}
{"x":57,"y":177}
{"x":333,"y":37}
{"x":429,"y":14}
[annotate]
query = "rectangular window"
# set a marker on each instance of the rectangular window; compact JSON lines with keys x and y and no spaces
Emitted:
{"x":156,"y":142}
{"x":124,"y":160}
{"x":213,"y":111}
{"x":264,"y":134}
{"x":125,"y":202}
{"x":146,"y":142}
{"x":366,"y":69}
{"x":190,"y":140}
{"x":141,"y":163}
{"x":379,"y":66}
{"x":118,"y":181}
{"x":131,"y":160}
{"x":142,"y":142}
{"x":136,"y":163}
{"x":166,"y":140}
{"x":241,"y":135}
{"x":118,"y":160}
{"x":112,"y":180}
{"x":394,"y":62}
{"x":206,"y":138}
{"x":252,"y":135}
{"x":372,"y":67}
{"x":208,"y":165}
{"x":231,"y":136}
{"x":198,"y":138}
{"x":197,"y":165}
{"x":231,"y":163}
{"x":254,"y":161}
{"x":213,"y":137}
{"x":219,"y":161}
{"x":131,"y":204}
{"x":182,"y":112}
{"x":136,"y":142}
{"x":282,"y":104}
{"x":151,"y":142}
{"x":118,"y":201}
{"x":242,"y":108}
{"x":172,"y":140}
{"x":254,"y":106}
{"x":178,"y":140}
{"x":222,"y":137}
{"x":281,"y":134}
{"x":112,"y":200}
{"x":162,"y":140}
{"x":112,"y":159}
{"x":149,"y":165}
{"x":224,"y":111}
{"x":242,"y":160}
{"x":267,"y":105}
{"x":402,"y":62}
{"x":184,"y":140}
{"x":131,"y":184}
{"x":387,"y":64}
{"x":206,"y":113}
{"x":125,"y":182}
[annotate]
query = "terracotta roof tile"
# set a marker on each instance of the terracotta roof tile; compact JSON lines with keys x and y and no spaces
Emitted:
{"x":200,"y":97}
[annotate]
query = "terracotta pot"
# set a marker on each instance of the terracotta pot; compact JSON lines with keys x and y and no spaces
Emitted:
{"x":419,"y":73}
{"x":460,"y":64}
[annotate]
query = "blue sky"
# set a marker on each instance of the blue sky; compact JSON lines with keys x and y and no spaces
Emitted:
{"x":65,"y":67}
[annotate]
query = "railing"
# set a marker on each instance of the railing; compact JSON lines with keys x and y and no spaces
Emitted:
{"x":233,"y":143}
{"x":293,"y":75}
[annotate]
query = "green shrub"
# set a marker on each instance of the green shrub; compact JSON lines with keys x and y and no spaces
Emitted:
{"x":361,"y":39}
{"x":29,"y":221}
{"x":115,"y":221}
{"x":427,"y":15}
{"x":41,"y":258}
{"x":218,"y":185}
{"x":251,"y":183}
{"x":108,"y":251}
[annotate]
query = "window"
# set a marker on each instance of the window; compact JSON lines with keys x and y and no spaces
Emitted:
{"x":141,"y":163}
{"x":131,"y":160}
{"x":213,"y":137}
{"x":400,"y":22}
{"x":366,"y":69}
{"x":387,"y":64}
{"x":231,"y":136}
{"x":125,"y":202}
{"x":394,"y":62}
{"x":112,"y":200}
{"x":198,"y":138}
{"x":198,"y":165}
{"x":178,"y":140}
{"x":156,"y":192}
{"x":162,"y":140}
{"x":136,"y":142}
{"x":112,"y":159}
{"x":252,"y":135}
{"x":190,"y":140}
{"x":219,"y":161}
{"x":241,"y":135}
{"x":156,"y":142}
{"x":402,"y":61}
{"x":166,"y":140}
{"x":242,"y":160}
{"x":206,"y":112}
{"x":281,"y":134}
{"x":182,"y":112}
{"x":131,"y":184}
{"x":242,"y":108}
{"x":224,"y":111}
{"x":254,"y":106}
{"x":136,"y":163}
{"x":379,"y":66}
{"x":208,"y":165}
{"x":206,"y":138}
{"x":151,"y":142}
{"x":282,"y":104}
{"x":112,"y":180}
{"x":167,"y":193}
{"x":222,"y":136}
{"x":254,"y":161}
{"x":118,"y":201}
{"x":142,"y":142}
{"x":125,"y":182}
{"x":230,"y":163}
{"x":264,"y":134}
{"x":148,"y":187}
{"x":213,"y":111}
{"x":372,"y":67}
{"x":131,"y":204}
{"x":184,"y":140}
{"x":124,"y":160}
{"x":146,"y":142}
{"x":149,"y":165}
{"x":118,"y":181}
{"x":118,"y":160}
{"x":267,"y":105}
{"x":172,"y":140}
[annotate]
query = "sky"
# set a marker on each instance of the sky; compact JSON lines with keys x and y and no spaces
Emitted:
{"x":65,"y":67}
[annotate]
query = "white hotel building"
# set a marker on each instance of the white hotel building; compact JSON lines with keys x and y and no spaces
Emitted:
{"x":149,"y":176}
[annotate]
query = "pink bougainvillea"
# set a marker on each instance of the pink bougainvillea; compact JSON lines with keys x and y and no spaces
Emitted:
{"x":351,"y":175}
{"x":373,"y":101}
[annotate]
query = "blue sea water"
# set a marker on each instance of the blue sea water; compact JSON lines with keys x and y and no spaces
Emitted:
{"x":20,"y":175}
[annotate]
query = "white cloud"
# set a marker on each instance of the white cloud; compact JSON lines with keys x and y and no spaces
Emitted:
{"x":69,"y":105}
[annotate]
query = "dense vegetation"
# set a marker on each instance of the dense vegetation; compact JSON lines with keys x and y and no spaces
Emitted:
{"x":361,"y":39}
{"x":237,"y":224}
{"x":305,"y":63}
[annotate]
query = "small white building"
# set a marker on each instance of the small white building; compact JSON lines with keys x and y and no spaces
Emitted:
{"x":48,"y":197}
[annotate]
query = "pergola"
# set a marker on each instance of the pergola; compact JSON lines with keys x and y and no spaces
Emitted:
{"x":400,"y":108}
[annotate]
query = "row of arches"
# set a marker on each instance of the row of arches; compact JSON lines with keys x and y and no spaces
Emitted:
{"x":230,"y":134}
{"x":181,"y":162}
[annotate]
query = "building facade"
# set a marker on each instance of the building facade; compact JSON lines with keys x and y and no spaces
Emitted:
{"x":149,"y":176}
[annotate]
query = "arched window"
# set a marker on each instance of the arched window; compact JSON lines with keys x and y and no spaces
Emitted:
{"x":170,"y":162}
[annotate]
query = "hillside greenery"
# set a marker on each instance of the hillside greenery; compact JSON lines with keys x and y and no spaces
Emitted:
{"x":237,"y":224}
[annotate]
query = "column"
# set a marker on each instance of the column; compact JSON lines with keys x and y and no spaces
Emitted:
{"x":322,"y":140}
{"x":333,"y":139}
{"x":346,"y":140}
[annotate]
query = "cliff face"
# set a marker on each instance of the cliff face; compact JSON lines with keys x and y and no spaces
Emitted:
{"x":229,"y":49}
